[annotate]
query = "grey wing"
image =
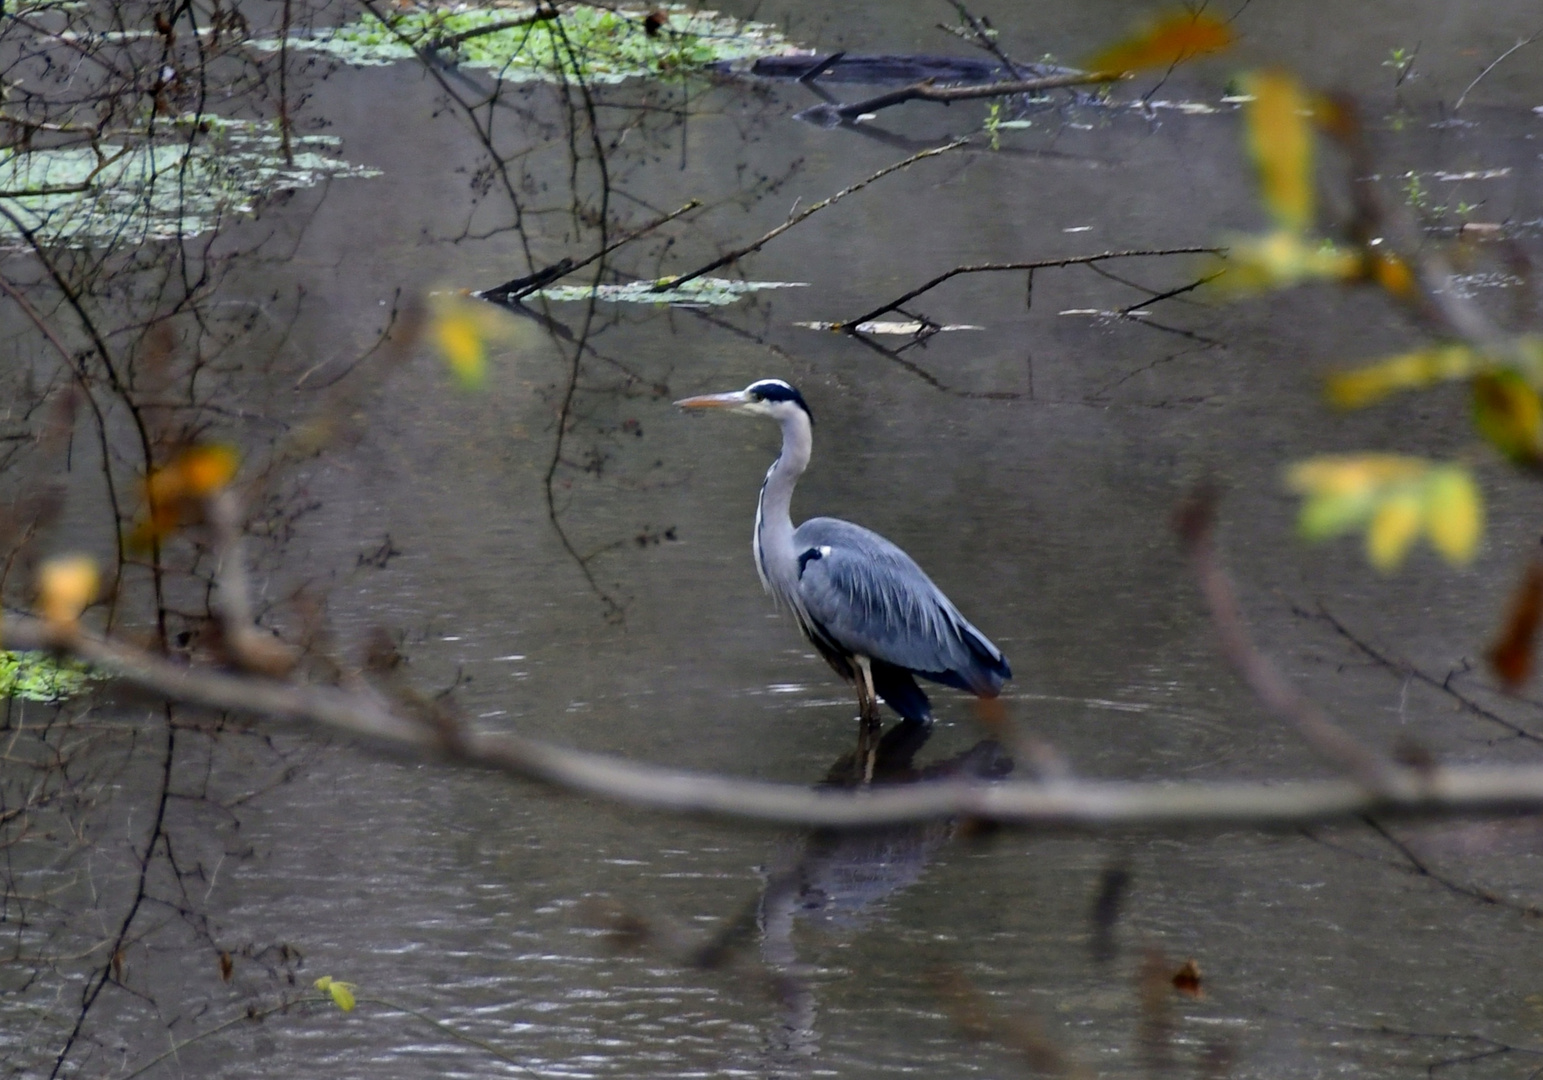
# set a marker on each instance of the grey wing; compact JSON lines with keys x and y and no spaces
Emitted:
{"x":871,"y":598}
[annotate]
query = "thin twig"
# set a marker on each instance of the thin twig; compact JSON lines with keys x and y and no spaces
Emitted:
{"x":541,"y":14}
{"x":249,"y":647}
{"x":1493,"y":64}
{"x":804,"y":215}
{"x":1420,"y":868}
{"x":985,"y":39}
{"x":1404,"y":669}
{"x":511,"y":291}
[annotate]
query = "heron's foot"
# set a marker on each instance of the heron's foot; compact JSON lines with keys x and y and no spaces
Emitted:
{"x":869,"y":727}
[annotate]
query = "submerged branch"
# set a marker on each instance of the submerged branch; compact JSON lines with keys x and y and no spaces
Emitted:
{"x":849,"y":325}
{"x":832,"y":115}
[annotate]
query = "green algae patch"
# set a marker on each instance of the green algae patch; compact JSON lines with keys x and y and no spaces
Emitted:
{"x":712,"y":291}
{"x":38,"y":676}
{"x":521,"y":43}
{"x":194,"y":176}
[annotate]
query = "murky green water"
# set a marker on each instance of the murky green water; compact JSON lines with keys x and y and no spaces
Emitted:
{"x":1030,"y":467}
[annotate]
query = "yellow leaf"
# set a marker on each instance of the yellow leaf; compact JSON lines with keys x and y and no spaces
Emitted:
{"x":1352,"y":474}
{"x":1281,"y":143}
{"x":1392,"y":273}
{"x":1407,"y":371}
{"x":1394,"y":526}
{"x":65,"y":586}
{"x":459,"y":340}
{"x":1171,"y":39}
{"x":1279,"y":259}
{"x":172,"y":491}
{"x":342,"y":993}
{"x":463,"y":330}
{"x":1507,"y":412}
{"x":1454,"y":513}
{"x":207,"y":469}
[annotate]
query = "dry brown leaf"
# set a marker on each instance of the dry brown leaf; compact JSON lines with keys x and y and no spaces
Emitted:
{"x":1187,"y":980}
{"x":1513,"y":654}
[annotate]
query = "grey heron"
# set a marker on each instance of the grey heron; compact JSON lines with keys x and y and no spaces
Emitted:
{"x":864,"y":604}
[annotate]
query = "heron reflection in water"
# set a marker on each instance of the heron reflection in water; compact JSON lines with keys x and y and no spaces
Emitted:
{"x":836,"y":882}
{"x":864,"y":604}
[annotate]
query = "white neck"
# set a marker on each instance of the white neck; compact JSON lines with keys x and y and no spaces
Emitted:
{"x":776,"y":561}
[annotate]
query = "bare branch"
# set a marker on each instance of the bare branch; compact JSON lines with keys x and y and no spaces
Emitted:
{"x":1521,"y":44}
{"x":511,"y":291}
{"x":848,"y":325}
{"x":724,"y":260}
{"x":984,"y":37}
{"x":1066,"y":804}
{"x":251,"y":648}
{"x":834,"y":115}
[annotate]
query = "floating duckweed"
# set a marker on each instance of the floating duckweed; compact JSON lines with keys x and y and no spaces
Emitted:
{"x":39,"y":677}
{"x":596,"y":44}
{"x":205,"y":169}
{"x":702,"y":290}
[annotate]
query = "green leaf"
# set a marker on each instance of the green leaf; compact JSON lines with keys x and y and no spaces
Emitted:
{"x":1454,"y":513}
{"x":587,"y":42}
{"x":1395,"y":499}
{"x":37,"y":676}
{"x":1324,"y":517}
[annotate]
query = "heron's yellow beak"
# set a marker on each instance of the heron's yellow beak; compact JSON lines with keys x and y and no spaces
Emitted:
{"x":733,"y":399}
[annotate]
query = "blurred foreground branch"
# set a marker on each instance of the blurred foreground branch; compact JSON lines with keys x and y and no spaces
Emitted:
{"x":1332,"y":743}
{"x":364,"y":713}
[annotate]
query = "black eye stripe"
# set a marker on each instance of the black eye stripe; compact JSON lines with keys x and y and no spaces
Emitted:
{"x":775,"y":390}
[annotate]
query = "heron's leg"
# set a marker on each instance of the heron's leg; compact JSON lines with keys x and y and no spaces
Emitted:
{"x":868,"y":722}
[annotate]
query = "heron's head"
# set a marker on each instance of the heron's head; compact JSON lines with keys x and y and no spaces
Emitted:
{"x":765,"y":397}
